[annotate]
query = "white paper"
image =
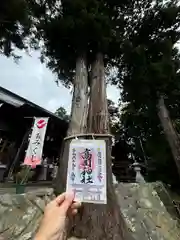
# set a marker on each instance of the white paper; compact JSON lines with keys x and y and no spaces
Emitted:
{"x":86,"y":174}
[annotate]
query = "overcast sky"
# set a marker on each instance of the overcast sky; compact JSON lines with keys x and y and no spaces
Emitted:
{"x":33,"y":81}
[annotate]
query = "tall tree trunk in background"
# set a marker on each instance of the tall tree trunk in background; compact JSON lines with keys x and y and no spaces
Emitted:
{"x":169,"y":132}
{"x":98,"y":116}
{"x":78,"y":122}
{"x":98,"y":221}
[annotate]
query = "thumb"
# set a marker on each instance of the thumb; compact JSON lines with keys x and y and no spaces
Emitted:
{"x":67,"y":202}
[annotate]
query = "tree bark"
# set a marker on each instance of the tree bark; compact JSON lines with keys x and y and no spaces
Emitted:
{"x":170,"y":132}
{"x":78,"y":122}
{"x":98,"y":221}
{"x":98,"y":116}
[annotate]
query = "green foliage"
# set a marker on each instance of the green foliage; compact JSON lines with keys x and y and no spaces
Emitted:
{"x":78,"y":28}
{"x":148,"y":68}
{"x":24,"y":175}
{"x":62,"y":113}
{"x":114,"y":116}
{"x":15,"y":25}
{"x":143,"y":134}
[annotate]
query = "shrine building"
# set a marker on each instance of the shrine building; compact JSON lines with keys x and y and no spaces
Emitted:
{"x":16,"y":121}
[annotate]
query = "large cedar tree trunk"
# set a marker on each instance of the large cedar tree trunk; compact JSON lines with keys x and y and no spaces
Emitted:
{"x":78,"y":122}
{"x":98,"y":116}
{"x":98,"y":221}
{"x":169,"y":132}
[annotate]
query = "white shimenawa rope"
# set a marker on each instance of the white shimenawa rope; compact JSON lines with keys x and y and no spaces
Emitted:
{"x":93,"y":135}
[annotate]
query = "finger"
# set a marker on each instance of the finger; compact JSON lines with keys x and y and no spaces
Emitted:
{"x":59,"y":199}
{"x":69,"y":197}
{"x":74,"y":212}
{"x":76,"y":205}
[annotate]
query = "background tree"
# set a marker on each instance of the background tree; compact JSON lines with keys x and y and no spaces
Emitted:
{"x":148,"y":69}
{"x":114,"y":116}
{"x":62,"y":113}
{"x":16,"y":24}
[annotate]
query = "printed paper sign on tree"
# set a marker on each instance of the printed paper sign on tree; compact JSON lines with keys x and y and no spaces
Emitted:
{"x":87,"y":170}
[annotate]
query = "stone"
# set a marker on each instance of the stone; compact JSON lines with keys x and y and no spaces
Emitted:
{"x":145,"y":213}
{"x":20,"y":215}
{"x":142,"y":205}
